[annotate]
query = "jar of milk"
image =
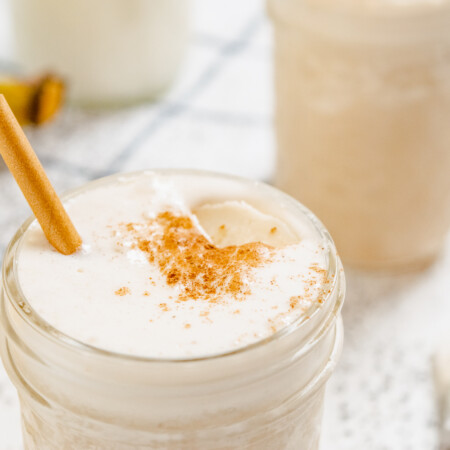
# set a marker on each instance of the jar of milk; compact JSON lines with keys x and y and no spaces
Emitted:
{"x":110,"y":51}
{"x":363,"y":113}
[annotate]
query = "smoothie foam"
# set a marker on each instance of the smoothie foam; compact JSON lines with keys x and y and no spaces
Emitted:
{"x":175,"y":266}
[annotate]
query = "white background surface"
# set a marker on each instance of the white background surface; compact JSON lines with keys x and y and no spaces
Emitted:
{"x":219,"y":117}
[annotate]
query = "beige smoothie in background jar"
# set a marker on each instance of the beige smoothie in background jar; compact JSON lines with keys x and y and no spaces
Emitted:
{"x":362,"y":119}
{"x":202,"y":312}
{"x":110,"y":52}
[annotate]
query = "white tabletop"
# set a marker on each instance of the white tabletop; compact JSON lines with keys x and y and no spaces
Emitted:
{"x":219,"y":117}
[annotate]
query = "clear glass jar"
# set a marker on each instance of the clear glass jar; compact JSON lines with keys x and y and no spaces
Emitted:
{"x":363,"y":106}
{"x":264,"y":396}
{"x":111,"y":52}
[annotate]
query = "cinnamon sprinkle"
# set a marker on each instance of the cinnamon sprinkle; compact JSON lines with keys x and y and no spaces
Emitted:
{"x":123,"y":291}
{"x":293,"y":301}
{"x":188,"y":260}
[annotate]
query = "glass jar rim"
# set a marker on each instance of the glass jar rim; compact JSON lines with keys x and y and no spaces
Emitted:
{"x":355,"y":10}
{"x":417,"y":23}
{"x":27,"y":313}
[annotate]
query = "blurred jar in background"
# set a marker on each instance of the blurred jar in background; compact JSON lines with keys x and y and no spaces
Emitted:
{"x":110,"y":51}
{"x":363,"y":123}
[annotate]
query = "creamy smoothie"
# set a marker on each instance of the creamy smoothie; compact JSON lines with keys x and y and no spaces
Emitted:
{"x":363,"y":103}
{"x":200,"y":312}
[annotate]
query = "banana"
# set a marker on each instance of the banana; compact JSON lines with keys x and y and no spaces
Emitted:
{"x":33,"y":101}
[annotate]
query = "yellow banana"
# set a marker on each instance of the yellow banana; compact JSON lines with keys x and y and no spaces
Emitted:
{"x":33,"y":100}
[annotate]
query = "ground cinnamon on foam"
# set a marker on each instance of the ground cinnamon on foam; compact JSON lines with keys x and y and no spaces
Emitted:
{"x":187,"y":259}
{"x":123,"y":291}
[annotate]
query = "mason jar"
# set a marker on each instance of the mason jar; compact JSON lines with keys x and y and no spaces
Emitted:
{"x":266,"y":395}
{"x":363,"y":107}
{"x":110,"y":52}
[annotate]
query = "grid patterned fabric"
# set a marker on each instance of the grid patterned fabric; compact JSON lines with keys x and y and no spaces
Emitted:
{"x":218,"y":116}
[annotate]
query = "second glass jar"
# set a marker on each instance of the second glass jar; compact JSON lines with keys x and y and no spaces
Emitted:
{"x":363,"y":106}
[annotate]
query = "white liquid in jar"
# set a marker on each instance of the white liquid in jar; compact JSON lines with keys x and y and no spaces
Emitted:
{"x":218,"y":302}
{"x":109,"y":51}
